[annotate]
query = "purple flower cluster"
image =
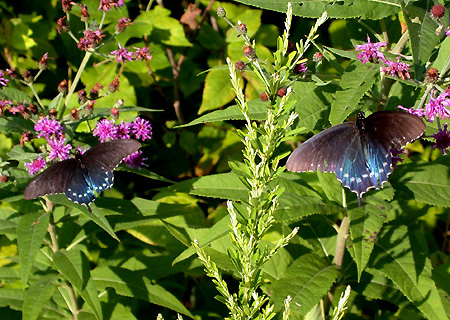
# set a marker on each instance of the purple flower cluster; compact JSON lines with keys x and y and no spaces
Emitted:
{"x":107,"y":130}
{"x":436,"y":106}
{"x":3,"y":80}
{"x":36,"y":165}
{"x":370,"y":52}
{"x":442,"y":138}
{"x":105,"y":5}
{"x":90,"y":39}
{"x":122,"y":54}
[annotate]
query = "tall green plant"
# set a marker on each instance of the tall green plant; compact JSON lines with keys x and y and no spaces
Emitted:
{"x":252,"y":219}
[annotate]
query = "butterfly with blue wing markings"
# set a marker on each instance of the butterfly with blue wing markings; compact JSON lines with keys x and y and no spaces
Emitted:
{"x":358,"y":152}
{"x":84,"y":176}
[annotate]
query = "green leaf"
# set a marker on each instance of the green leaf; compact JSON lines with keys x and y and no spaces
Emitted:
{"x":365,"y":224}
{"x":425,"y":182}
{"x":11,"y":298}
{"x":222,"y":186}
{"x":257,"y":110}
{"x":306,"y":281}
{"x":422,"y":35}
{"x":7,"y":227}
{"x":365,"y":9}
{"x":31,"y":231}
{"x":165,"y":29}
{"x":96,"y":215}
{"x":313,"y":104}
{"x":131,"y":284}
{"x":37,"y":296}
{"x":205,"y":237}
{"x":15,"y":95}
{"x":218,"y":90}
{"x":74,"y":266}
{"x":442,"y":62}
{"x":409,"y":269}
{"x":356,"y":81}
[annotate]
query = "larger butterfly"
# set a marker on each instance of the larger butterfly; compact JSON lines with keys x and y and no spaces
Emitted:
{"x":358,"y":152}
{"x":84,"y":176}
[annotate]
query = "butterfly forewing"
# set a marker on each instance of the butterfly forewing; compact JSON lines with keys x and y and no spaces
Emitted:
{"x":325,"y":147}
{"x":394,"y":128}
{"x":109,"y":154}
{"x":54,"y":179}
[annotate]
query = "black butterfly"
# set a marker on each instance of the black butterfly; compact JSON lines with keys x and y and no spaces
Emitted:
{"x":80,"y":178}
{"x":358,"y":152}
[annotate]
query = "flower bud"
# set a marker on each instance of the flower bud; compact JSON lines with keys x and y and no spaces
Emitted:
{"x":74,"y":114}
{"x":82,"y":96}
{"x":43,"y":62}
{"x":239,"y":65}
{"x":249,"y":52}
{"x":221,"y":13}
{"x":85,"y":13}
{"x":318,"y":56}
{"x":437,"y":11}
{"x":115,"y":113}
{"x":281,"y":92}
{"x":264,"y":97}
{"x":62,"y":87}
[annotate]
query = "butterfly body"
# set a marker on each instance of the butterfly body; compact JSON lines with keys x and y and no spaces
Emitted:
{"x":358,"y":152}
{"x":83,"y":177}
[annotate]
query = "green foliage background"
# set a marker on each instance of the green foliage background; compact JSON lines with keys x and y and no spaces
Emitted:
{"x":158,"y":211}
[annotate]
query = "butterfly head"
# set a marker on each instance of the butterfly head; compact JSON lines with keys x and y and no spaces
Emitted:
{"x":360,"y":121}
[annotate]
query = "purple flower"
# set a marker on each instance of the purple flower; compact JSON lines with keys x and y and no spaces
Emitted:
{"x":438,"y":106}
{"x":123,"y":130}
{"x":3,"y":81}
{"x":142,"y":54}
{"x":370,"y":51}
{"x":300,"y":68}
{"x":395,"y":158}
{"x":122,"y":54}
{"x":105,"y":130}
{"x":58,"y":149}
{"x":105,"y":5}
{"x":399,"y":69}
{"x":442,"y":140}
{"x":447,"y":33}
{"x":142,"y":129}
{"x":135,"y":160}
{"x":19,"y":108}
{"x":47,"y":127}
{"x":416,"y":112}
{"x":35,"y":166}
{"x":90,"y":38}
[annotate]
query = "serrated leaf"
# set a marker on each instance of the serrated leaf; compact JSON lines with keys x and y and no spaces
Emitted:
{"x":313,"y":104}
{"x":410,"y":271}
{"x":425,"y":182}
{"x":365,"y":9}
{"x":365,"y":224}
{"x":37,"y":295}
{"x":31,"y":231}
{"x":356,"y":81}
{"x":306,"y":281}
{"x":131,"y":284}
{"x":15,"y":95}
{"x":218,"y":90}
{"x":74,"y":266}
{"x":422,"y":34}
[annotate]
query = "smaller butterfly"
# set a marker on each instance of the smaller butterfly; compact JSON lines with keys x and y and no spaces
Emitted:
{"x":358,"y":152}
{"x":84,"y":176}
